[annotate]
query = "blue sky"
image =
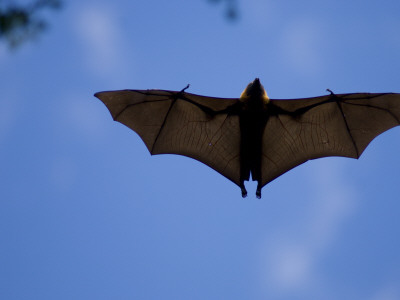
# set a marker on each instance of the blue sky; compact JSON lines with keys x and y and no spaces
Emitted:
{"x":87,"y":213}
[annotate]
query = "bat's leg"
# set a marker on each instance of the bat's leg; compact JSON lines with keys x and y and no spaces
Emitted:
{"x":244,"y":174}
{"x":244,"y":192}
{"x":256,"y":171}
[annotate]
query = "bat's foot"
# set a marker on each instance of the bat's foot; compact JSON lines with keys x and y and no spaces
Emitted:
{"x":258,"y":191}
{"x":244,"y":192}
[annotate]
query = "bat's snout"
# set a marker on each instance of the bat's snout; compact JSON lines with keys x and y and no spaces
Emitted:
{"x":256,"y":82}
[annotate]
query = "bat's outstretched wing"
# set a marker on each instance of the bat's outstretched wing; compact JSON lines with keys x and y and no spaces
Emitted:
{"x":333,"y":125}
{"x":203,"y":128}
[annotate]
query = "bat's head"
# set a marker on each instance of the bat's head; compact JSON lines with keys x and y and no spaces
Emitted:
{"x":254,"y":90}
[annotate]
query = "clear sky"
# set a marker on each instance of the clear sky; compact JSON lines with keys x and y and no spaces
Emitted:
{"x":87,"y":213}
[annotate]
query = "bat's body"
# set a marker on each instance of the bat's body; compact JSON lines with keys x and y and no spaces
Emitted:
{"x":253,"y":117}
{"x":254,"y":135}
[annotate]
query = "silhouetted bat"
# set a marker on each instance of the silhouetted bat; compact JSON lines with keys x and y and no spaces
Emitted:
{"x":253,"y":134}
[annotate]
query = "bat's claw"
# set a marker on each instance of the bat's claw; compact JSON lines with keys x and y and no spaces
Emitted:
{"x":332,"y":93}
{"x":184,"y":89}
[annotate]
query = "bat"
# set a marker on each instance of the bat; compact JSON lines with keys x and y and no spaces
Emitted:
{"x":253,"y":135}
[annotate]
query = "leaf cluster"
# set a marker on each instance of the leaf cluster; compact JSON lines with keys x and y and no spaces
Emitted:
{"x":19,"y":23}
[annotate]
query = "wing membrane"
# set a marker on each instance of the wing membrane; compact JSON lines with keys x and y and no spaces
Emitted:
{"x":203,"y":128}
{"x":339,"y":125}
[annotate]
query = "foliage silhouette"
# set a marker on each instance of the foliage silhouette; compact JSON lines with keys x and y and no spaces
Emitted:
{"x":18,"y":23}
{"x":231,"y":12}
